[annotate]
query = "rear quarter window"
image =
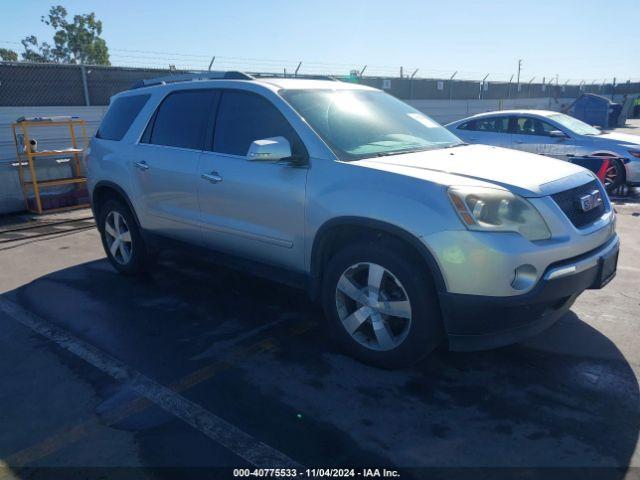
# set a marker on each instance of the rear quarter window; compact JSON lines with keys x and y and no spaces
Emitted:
{"x":471,"y":125}
{"x":120,"y":116}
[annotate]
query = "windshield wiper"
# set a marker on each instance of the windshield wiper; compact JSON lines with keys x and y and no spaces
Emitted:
{"x":400,"y":152}
{"x":457,"y":145}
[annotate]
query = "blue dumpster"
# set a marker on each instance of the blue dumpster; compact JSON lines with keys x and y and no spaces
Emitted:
{"x":595,"y":110}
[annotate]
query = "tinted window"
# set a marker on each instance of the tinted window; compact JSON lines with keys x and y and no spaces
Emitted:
{"x":533,"y":126}
{"x":120,"y":116}
{"x":182,"y":119}
{"x":490,"y":125}
{"x":245,"y":117}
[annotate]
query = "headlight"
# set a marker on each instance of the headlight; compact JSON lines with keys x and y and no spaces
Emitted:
{"x":494,"y":210}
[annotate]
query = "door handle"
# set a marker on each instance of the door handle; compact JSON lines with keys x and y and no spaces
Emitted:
{"x":212,"y":177}
{"x":519,"y":141}
{"x":141,"y":165}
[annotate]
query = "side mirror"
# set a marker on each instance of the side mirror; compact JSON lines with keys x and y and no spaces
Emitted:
{"x":557,"y":134}
{"x":269,"y":150}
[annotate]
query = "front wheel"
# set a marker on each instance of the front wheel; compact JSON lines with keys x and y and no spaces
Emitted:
{"x":121,"y":238}
{"x":381,"y":304}
{"x":614,"y":175}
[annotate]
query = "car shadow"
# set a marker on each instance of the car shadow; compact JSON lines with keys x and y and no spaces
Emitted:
{"x":566,"y":399}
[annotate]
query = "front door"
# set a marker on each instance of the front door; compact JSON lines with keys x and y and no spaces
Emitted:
{"x":531,"y":134}
{"x":250,"y":208}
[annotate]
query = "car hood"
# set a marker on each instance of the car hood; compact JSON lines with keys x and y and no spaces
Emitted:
{"x":523,"y":173}
{"x":618,"y":138}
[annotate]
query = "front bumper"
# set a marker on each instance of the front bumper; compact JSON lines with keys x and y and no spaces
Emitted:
{"x":477,"y":322}
{"x":632,"y":171}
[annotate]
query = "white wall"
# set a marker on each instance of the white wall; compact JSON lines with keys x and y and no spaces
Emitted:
{"x":446,"y":111}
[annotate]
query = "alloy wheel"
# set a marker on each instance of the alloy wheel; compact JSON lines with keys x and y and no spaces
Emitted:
{"x":610,"y":176}
{"x":118,"y":237}
{"x":373,"y":306}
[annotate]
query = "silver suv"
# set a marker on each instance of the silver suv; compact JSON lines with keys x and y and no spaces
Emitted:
{"x":405,"y":235}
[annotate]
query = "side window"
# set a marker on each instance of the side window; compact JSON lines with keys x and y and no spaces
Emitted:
{"x":533,"y":126}
{"x":244,"y":117}
{"x":493,"y":124}
{"x":525,"y":126}
{"x":181,"y":120}
{"x":501,"y":124}
{"x":120,"y":116}
{"x":470,"y":125}
{"x":546,"y":128}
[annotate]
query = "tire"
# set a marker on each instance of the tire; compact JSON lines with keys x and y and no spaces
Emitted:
{"x":405,"y":343}
{"x":614,"y":176}
{"x":127,"y":257}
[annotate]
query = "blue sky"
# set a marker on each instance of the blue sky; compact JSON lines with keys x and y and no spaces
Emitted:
{"x":576,"y":39}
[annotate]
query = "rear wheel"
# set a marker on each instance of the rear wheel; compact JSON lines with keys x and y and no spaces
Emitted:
{"x":121,"y":238}
{"x":381,"y":304}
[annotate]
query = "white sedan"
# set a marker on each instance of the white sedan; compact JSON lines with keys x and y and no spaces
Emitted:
{"x":556,"y":135}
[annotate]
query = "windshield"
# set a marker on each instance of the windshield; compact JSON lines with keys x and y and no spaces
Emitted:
{"x":363,"y":123}
{"x":575,"y":125}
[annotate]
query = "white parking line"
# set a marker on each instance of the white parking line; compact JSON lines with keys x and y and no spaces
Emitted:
{"x":214,"y":427}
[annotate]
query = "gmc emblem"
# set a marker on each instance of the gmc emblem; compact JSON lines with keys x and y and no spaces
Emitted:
{"x":590,"y":201}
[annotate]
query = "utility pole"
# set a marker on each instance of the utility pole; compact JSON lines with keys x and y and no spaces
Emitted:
{"x":519,"y":68}
{"x":211,"y":63}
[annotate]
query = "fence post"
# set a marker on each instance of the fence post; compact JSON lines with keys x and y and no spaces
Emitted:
{"x":85,"y":86}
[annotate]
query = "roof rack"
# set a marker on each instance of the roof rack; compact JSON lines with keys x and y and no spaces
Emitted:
{"x":187,"y":77}
{"x":298,"y":77}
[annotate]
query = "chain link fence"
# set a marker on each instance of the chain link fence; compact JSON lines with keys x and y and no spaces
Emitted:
{"x":33,"y":84}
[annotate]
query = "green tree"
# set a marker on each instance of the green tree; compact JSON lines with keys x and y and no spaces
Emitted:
{"x":76,"y":41}
{"x":7,"y":55}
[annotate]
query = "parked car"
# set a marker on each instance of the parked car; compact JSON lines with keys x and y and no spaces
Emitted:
{"x":405,"y":235}
{"x":555,"y":135}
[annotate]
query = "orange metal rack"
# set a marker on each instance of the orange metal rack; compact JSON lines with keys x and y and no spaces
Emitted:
{"x":27,"y":158}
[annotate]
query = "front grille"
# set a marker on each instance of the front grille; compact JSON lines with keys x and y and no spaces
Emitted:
{"x":569,"y":203}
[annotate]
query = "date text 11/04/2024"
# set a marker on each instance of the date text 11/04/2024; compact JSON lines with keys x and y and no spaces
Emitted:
{"x":316,"y":472}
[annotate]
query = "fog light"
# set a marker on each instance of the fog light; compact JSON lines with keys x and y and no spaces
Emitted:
{"x":525,"y":277}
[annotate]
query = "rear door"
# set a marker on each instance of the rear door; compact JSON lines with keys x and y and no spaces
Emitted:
{"x":532,"y":134}
{"x":250,"y":208}
{"x":165,"y":169}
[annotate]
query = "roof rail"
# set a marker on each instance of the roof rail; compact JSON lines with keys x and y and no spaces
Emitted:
{"x":298,"y":77}
{"x":187,"y":77}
